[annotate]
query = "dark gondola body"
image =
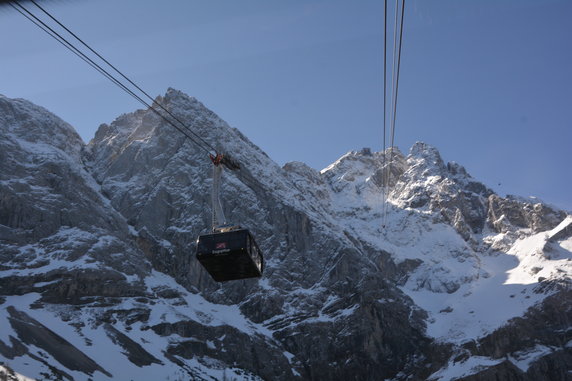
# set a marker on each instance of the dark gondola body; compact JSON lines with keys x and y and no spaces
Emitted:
{"x":230,"y":255}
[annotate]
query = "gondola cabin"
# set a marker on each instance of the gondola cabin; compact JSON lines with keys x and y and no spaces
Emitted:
{"x":230,"y":255}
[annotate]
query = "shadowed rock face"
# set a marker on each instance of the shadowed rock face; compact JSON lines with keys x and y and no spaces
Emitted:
{"x":235,"y":348}
{"x":104,"y":235}
{"x":50,"y":207}
{"x":32,"y":332}
{"x":135,"y":352}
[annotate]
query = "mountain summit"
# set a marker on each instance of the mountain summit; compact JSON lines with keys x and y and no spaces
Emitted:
{"x":98,"y":278}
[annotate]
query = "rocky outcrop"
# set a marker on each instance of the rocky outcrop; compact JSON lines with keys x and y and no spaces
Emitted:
{"x":507,"y":213}
{"x":32,"y":332}
{"x":535,"y":346}
{"x":229,"y":345}
{"x":135,"y":352}
{"x":445,"y":188}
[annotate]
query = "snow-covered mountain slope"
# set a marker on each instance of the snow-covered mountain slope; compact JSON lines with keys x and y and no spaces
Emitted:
{"x":98,"y":278}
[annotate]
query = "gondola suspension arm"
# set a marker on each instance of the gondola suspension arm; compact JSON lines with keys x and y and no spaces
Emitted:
{"x":219,"y":160}
{"x":218,"y":217}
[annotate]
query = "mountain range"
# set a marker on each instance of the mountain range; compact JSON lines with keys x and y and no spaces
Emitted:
{"x":434,"y":277}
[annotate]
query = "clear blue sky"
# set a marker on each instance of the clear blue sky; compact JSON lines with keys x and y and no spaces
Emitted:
{"x":488,"y":82}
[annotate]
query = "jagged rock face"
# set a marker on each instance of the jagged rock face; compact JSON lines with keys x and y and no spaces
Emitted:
{"x":445,"y":188}
{"x":102,"y":237}
{"x":54,"y":222}
{"x":507,"y":213}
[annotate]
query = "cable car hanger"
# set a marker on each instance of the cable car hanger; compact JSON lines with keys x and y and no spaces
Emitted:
{"x":229,"y":252}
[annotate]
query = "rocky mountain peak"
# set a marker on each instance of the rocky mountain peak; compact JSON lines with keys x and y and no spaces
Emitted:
{"x":174,"y":96}
{"x":37,"y":130}
{"x":426,"y":160}
{"x":429,"y":154}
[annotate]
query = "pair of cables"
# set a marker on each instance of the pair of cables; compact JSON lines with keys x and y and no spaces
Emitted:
{"x":395,"y":70}
{"x":89,"y":55}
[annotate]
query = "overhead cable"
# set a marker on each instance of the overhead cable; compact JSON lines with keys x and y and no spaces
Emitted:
{"x":185,"y":130}
{"x":123,"y":75}
{"x":383,"y":163}
{"x":397,"y":44}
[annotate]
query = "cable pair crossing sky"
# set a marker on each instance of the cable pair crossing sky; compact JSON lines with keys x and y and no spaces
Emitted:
{"x":121,"y":81}
{"x":396,"y":63}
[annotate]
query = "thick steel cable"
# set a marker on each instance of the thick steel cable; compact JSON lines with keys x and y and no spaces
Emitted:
{"x":62,"y":40}
{"x":394,"y":57}
{"x":383,"y":163}
{"x":397,"y":76}
{"x":56,"y":36}
{"x":384,"y":75}
{"x":387,"y":169}
{"x":124,"y":76}
{"x":395,"y":84}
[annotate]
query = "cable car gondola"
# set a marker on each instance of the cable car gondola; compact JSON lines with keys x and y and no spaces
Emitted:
{"x":229,"y":252}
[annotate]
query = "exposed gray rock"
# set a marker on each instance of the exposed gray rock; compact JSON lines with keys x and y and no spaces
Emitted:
{"x":228,"y":345}
{"x":447,"y":189}
{"x":135,"y":352}
{"x":510,"y":212}
{"x":32,"y":332}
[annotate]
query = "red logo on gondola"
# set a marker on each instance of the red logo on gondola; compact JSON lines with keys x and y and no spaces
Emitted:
{"x":220,"y":245}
